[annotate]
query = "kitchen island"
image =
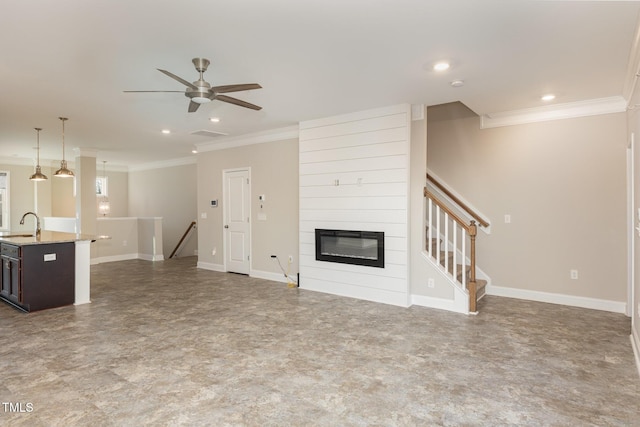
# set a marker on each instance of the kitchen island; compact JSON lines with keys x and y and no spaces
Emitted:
{"x":47,"y":270}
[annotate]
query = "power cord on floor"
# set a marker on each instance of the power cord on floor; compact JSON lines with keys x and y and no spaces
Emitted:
{"x":290,"y":282}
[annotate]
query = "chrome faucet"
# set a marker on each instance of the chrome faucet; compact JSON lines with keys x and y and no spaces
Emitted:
{"x":37,"y":222}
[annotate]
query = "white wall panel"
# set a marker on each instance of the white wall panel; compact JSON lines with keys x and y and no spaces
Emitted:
{"x":354,"y":175}
{"x":369,"y":203}
{"x":390,"y":230}
{"x":373,"y":190}
{"x":363,"y":215}
{"x":349,"y":127}
{"x":356,"y":139}
{"x":373,"y":150}
{"x":355,"y":178}
{"x":373,"y":164}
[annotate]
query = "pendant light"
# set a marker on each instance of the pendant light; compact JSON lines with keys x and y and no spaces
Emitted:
{"x":63,"y":172}
{"x":103,"y":206}
{"x":38,"y":176}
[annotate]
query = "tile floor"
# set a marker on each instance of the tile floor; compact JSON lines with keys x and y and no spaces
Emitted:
{"x":167,"y":344}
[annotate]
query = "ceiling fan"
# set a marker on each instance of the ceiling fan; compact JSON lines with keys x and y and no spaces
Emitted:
{"x":201,"y":92}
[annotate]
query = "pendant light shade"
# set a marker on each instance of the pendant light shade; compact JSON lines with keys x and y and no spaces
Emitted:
{"x":63,"y":172}
{"x":103,"y":206}
{"x":38,"y":176}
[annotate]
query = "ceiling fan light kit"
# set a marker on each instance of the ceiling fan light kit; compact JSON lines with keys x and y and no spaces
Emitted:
{"x":201,"y":92}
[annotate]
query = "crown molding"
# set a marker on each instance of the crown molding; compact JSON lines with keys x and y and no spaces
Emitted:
{"x":164,"y":164}
{"x":19,"y":161}
{"x":591,"y":107}
{"x":280,"y":134}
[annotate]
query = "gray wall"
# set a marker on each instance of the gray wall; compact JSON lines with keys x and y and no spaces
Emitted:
{"x":118,"y":192}
{"x":563,"y":183}
{"x":22,"y":195}
{"x":169,"y":193}
{"x":274,"y":173}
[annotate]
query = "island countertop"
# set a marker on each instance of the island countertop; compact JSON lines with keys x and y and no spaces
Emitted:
{"x":24,"y":238}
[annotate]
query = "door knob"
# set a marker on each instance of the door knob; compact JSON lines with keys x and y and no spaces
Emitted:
{"x":226,"y":226}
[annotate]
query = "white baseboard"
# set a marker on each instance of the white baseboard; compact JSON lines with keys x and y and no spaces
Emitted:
{"x":211,"y":266}
{"x":635,"y":344}
{"x":126,"y":257}
{"x":268,"y":275}
{"x":570,"y":300}
{"x":439,"y":303}
{"x":150,"y":257}
{"x":113,"y":258}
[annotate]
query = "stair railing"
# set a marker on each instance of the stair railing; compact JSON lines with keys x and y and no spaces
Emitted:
{"x":457,"y":201}
{"x":184,"y":236}
{"x":441,"y":221}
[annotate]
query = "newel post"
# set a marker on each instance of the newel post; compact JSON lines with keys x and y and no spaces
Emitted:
{"x":473,"y":299}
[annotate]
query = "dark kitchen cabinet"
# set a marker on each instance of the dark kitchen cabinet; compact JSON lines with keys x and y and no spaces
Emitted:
{"x":39,"y":276}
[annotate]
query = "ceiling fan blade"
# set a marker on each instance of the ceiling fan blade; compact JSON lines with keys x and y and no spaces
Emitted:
{"x":181,"y":80}
{"x":230,"y":100}
{"x":193,"y":106}
{"x":235,"y":88}
{"x":147,"y":91}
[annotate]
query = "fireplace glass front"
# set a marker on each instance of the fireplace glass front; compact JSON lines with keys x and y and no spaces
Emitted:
{"x":350,"y":247}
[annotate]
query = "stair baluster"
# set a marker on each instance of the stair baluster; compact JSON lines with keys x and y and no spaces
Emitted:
{"x":446,"y":255}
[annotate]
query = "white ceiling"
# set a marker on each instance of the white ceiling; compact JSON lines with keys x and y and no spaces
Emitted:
{"x":314,"y":58}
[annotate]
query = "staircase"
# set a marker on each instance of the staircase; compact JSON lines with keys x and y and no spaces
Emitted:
{"x":451,"y":240}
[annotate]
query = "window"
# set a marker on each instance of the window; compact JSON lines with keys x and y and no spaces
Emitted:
{"x":4,"y":200}
{"x":102,"y":186}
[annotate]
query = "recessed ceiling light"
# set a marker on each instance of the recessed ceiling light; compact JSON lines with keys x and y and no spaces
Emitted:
{"x":548,"y":97}
{"x":457,"y":83}
{"x":194,"y":151}
{"x":441,"y":66}
{"x":215,"y":119}
{"x":166,"y":131}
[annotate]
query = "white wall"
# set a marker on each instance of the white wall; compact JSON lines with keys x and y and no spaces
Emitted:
{"x":367,"y":153}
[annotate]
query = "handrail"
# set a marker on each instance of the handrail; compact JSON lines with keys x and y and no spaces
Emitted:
{"x":184,"y":236}
{"x":459,"y":202}
{"x":444,"y":207}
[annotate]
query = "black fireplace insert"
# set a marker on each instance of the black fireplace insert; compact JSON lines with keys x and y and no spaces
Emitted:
{"x":350,"y":247}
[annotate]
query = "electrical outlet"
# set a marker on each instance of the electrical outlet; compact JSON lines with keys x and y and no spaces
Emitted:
{"x":124,"y":243}
{"x":290,"y":258}
{"x":213,"y":251}
{"x":507,"y":219}
{"x":431,"y":282}
{"x":573,"y":274}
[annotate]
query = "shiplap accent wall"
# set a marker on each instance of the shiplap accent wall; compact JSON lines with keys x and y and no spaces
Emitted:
{"x":354,"y":175}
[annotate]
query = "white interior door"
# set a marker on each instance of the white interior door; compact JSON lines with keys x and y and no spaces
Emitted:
{"x":237,"y":227}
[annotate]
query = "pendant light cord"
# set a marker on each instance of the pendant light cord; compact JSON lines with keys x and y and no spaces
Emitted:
{"x":63,"y":120}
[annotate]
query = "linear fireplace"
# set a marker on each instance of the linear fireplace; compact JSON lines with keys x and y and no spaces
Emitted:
{"x":350,"y":247}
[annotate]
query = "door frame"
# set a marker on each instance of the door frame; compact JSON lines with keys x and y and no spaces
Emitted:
{"x":225,"y":199}
{"x":631,"y":224}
